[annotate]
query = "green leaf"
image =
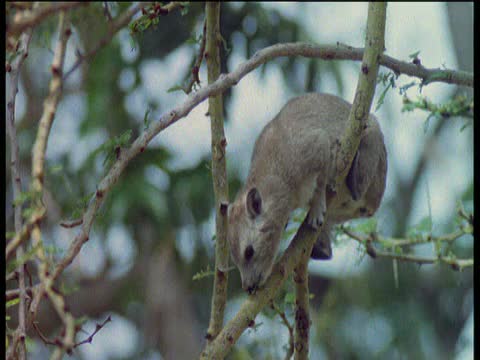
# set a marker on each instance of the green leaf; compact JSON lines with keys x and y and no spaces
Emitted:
{"x":381,"y":99}
{"x":12,"y":302}
{"x":145,"y":119}
{"x":175,"y":88}
{"x":203,"y":274}
{"x":289,"y":298}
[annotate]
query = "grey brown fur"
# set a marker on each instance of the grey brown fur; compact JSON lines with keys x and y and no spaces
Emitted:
{"x":293,"y":166}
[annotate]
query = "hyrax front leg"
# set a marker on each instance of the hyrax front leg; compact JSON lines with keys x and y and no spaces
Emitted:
{"x":318,"y":203}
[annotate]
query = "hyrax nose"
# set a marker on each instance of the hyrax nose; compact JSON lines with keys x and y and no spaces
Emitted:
{"x":249,"y":287}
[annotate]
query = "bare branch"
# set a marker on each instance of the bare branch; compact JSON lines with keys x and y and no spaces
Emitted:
{"x":98,"y":327}
{"x":17,"y":187}
{"x":38,"y":160}
{"x":357,"y":119}
{"x":32,"y":18}
{"x":289,"y":326}
{"x":302,"y":306}
{"x":15,"y":293}
{"x":219,"y":172}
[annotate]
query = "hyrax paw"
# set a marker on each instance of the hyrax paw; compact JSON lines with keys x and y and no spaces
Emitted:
{"x":315,"y":218}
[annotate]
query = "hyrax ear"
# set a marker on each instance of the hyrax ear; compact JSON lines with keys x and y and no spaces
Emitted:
{"x":254,"y":203}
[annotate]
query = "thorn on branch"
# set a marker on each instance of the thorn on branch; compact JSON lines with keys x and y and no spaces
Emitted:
{"x":98,"y":327}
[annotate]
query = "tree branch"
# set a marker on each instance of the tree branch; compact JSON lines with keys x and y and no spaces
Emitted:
{"x":369,"y":240}
{"x":29,"y":19}
{"x":38,"y":165}
{"x":302,"y":306}
{"x":219,"y":172}
{"x":17,"y":188}
{"x":357,"y":119}
{"x":287,"y":324}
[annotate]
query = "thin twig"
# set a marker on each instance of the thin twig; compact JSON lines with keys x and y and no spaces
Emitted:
{"x":15,"y":293}
{"x":456,"y":264}
{"x":198,"y":62}
{"x":98,"y":327}
{"x":289,"y":326}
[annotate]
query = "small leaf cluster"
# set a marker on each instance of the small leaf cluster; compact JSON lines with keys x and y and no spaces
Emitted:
{"x":458,"y":106}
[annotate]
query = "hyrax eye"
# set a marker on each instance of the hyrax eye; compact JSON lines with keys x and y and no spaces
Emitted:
{"x":249,"y":252}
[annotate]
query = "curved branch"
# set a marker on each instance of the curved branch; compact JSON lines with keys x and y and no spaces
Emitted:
{"x":35,"y":17}
{"x":38,"y":161}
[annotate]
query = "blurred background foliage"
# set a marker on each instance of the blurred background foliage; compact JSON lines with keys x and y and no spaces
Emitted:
{"x":155,"y":230}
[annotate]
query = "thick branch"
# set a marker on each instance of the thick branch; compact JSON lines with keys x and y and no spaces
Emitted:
{"x":219,"y":172}
{"x":357,"y":119}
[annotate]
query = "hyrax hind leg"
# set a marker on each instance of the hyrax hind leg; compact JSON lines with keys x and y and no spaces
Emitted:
{"x":322,"y":249}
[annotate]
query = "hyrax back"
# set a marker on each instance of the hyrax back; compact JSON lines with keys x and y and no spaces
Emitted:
{"x":293,"y":165}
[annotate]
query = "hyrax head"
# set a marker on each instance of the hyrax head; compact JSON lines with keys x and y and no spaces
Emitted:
{"x":253,"y":237}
